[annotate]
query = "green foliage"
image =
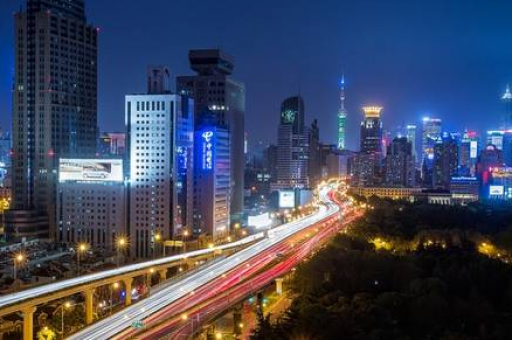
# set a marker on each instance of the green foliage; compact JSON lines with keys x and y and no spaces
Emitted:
{"x":350,"y":290}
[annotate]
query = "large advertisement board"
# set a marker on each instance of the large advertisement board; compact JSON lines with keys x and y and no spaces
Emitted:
{"x":473,"y":149}
{"x":496,"y":190}
{"x":94,"y":170}
{"x":260,"y":221}
{"x":286,"y":199}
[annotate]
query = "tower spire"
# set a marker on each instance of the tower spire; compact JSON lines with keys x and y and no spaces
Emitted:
{"x":507,"y":95}
{"x":342,"y":116}
{"x":507,"y":100}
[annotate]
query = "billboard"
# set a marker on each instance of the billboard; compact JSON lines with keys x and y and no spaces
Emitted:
{"x":473,"y":149}
{"x":259,"y":221}
{"x":286,"y":199}
{"x":207,"y":149}
{"x":496,"y":190}
{"x":93,"y":170}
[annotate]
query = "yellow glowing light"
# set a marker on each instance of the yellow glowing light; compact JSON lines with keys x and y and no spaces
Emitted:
{"x":372,"y":111}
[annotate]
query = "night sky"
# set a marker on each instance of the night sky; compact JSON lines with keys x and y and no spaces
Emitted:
{"x":448,"y":58}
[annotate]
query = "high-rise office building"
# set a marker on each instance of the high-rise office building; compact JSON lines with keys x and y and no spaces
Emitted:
{"x":215,"y":91}
{"x":410,"y":133}
{"x":212,"y":177}
{"x":366,"y":170}
{"x":314,"y":154}
{"x":502,"y":139}
{"x":342,"y":118}
{"x":445,"y":162}
{"x":292,"y":146}
{"x":431,"y":134}
{"x":160,"y":136}
{"x":371,"y":130}
{"x":55,"y":99}
{"x":5,"y":160}
{"x":91,"y":202}
{"x":399,"y":164}
{"x":507,"y":101}
{"x":468,"y":153}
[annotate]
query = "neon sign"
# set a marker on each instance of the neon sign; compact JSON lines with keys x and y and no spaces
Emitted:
{"x":207,"y":137}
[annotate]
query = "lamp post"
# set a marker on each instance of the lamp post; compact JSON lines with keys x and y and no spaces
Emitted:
{"x":81,"y":248}
{"x":121,"y":243}
{"x":149,"y":277}
{"x":18,"y":259}
{"x":184,"y":238}
{"x":64,"y":306}
{"x":158,"y":238}
{"x":113,"y":287}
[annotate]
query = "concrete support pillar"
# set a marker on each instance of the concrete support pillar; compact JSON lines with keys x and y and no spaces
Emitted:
{"x":89,"y":306}
{"x":279,"y":286}
{"x":163,"y":274}
{"x":28,"y":322}
{"x":128,"y":291}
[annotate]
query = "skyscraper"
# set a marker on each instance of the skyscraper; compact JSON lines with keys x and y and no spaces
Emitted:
{"x":292,"y":146}
{"x":55,"y":98}
{"x":215,"y":91}
{"x":212,"y":174}
{"x":160,"y":138}
{"x":445,"y":162}
{"x":342,"y":118}
{"x":507,"y":101}
{"x":410,"y":133}
{"x":400,"y":163}
{"x":371,"y":130}
{"x":468,"y":153}
{"x":430,"y":135}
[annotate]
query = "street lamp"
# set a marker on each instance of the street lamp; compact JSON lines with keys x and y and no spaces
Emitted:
{"x":17,"y":260}
{"x":113,"y":287}
{"x":149,"y":278}
{"x":158,"y":238}
{"x":64,"y":306}
{"x":121,"y":243}
{"x":80,"y":248}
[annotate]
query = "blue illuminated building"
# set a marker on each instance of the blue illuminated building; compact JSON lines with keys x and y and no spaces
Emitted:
{"x":212,"y":178}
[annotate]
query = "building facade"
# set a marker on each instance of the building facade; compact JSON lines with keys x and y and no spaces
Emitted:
{"x":55,"y":100}
{"x":160,"y":134}
{"x":212,"y":177}
{"x":371,"y":130}
{"x":445,"y":162}
{"x":91,"y":202}
{"x":215,"y":91}
{"x":410,"y":133}
{"x":399,"y":164}
{"x":293,"y":151}
{"x":431,"y":134}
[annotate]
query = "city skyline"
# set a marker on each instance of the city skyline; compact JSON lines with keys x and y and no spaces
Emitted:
{"x":405,"y":77}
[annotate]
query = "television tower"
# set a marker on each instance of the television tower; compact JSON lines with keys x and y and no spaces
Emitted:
{"x":342,"y":117}
{"x":507,"y":100}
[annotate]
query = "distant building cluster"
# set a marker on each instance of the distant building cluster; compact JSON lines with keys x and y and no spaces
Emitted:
{"x":452,"y":167}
